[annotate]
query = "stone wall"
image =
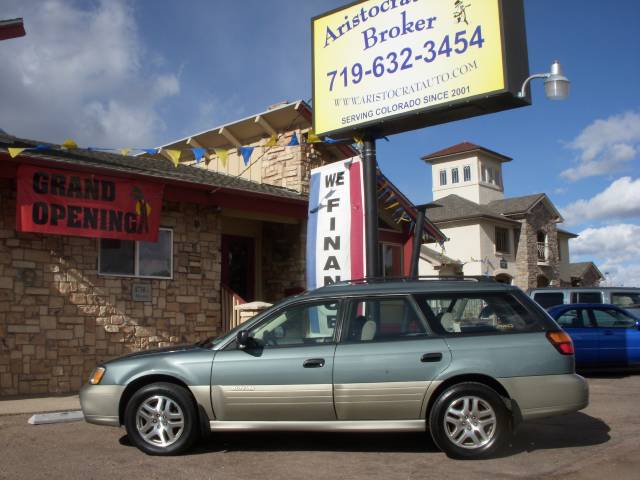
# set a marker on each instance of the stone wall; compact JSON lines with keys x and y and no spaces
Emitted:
{"x":283,"y":259}
{"x":59,"y":318}
{"x":527,"y":268}
{"x":290,"y":167}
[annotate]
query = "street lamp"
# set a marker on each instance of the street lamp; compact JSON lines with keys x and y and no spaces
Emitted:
{"x":556,"y":85}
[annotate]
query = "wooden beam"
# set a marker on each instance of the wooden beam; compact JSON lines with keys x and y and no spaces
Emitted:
{"x":260,"y":120}
{"x":194,"y":143}
{"x":224,"y":131}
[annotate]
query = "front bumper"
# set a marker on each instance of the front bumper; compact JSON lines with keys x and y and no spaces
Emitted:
{"x":547,"y":395}
{"x":100,"y":404}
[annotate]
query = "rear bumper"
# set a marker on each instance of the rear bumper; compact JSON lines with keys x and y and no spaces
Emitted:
{"x":547,"y":395}
{"x":100,"y":404}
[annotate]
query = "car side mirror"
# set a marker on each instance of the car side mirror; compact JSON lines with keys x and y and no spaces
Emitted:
{"x":243,"y":339}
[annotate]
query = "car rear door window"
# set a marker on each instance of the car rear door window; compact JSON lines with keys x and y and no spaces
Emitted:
{"x":586,"y":297}
{"x":375,"y":320}
{"x":609,"y":318}
{"x":472,"y":313}
{"x":549,"y":299}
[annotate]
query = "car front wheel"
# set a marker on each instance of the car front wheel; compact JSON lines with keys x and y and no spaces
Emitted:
{"x":469,"y":420}
{"x":161,"y":419}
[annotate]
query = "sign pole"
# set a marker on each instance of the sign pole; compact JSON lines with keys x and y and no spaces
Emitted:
{"x":370,"y":165}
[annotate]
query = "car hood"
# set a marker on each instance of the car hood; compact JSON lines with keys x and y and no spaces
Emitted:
{"x":156,"y":351}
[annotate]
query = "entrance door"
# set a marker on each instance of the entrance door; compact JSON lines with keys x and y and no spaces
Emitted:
{"x":238,"y":265}
{"x":285,"y":374}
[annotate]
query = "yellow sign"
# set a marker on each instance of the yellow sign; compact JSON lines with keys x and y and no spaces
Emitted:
{"x":378,"y":60}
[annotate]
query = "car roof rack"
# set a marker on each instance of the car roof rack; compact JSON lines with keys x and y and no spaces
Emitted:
{"x":372,"y":280}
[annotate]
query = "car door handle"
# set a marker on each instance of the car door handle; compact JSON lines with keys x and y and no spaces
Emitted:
{"x":431,"y":357}
{"x":313,"y":363}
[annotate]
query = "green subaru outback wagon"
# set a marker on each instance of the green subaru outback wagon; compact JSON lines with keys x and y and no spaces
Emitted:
{"x":466,"y":360}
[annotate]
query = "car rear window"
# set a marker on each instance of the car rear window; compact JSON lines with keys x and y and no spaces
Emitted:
{"x":549,"y":299}
{"x":586,"y":297}
{"x":474,"y":313}
{"x":625,"y":299}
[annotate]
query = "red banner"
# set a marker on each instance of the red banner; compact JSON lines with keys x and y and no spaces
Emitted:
{"x":62,"y":202}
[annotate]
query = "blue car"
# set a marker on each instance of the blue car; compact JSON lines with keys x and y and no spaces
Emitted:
{"x":604,"y":336}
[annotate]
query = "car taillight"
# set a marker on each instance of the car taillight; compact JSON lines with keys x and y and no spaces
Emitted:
{"x":562,"y":342}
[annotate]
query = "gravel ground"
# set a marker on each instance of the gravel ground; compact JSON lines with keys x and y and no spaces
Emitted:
{"x":599,"y":442}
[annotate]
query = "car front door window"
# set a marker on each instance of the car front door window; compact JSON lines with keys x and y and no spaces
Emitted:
{"x":298,"y":325}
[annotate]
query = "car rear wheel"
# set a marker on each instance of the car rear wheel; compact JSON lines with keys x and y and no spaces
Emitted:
{"x":469,"y":420}
{"x":161,"y":419}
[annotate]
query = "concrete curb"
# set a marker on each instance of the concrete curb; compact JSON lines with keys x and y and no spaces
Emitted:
{"x":21,"y":406}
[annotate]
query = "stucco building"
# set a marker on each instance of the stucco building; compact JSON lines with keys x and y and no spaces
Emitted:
{"x":515,"y":239}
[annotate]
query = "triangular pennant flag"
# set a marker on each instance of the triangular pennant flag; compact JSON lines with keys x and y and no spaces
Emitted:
{"x":395,"y":204}
{"x":174,"y":155}
{"x":246,"y":154}
{"x":14,"y":152}
{"x":358,"y":140}
{"x":198,"y":153}
{"x":294,"y":141}
{"x":41,"y":146}
{"x":272,"y":142}
{"x":125,"y":151}
{"x":150,"y":151}
{"x":312,"y":137}
{"x":69,"y":143}
{"x":223,"y":155}
{"x":329,"y":140}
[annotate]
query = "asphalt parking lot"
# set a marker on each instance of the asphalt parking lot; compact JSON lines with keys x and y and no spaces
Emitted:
{"x":599,"y":442}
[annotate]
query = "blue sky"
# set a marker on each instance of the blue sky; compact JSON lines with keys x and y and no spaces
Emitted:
{"x":118,"y":73}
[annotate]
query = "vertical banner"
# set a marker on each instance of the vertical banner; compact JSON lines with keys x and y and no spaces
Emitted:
{"x":335,"y":234}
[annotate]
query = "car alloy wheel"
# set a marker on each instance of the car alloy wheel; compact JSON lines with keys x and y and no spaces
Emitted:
{"x":470,"y":422}
{"x":160,"y":421}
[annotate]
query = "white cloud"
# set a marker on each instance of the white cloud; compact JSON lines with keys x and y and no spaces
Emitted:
{"x":82,"y":72}
{"x":618,"y":241}
{"x":619,"y":200}
{"x":616,"y":250}
{"x":605,"y":146}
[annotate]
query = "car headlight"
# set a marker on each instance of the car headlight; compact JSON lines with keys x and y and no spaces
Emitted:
{"x":97,"y":375}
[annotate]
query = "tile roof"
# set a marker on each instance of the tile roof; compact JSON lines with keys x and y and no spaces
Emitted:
{"x":514,"y":205}
{"x":577,"y":270}
{"x":159,"y":169}
{"x":454,"y":207}
{"x":463,"y":147}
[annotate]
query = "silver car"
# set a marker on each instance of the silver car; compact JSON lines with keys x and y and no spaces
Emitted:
{"x":466,"y":360}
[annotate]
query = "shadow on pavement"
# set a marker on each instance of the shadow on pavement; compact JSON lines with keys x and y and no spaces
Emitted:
{"x":568,"y":431}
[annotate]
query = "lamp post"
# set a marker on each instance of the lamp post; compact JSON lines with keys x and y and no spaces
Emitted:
{"x":556,"y":85}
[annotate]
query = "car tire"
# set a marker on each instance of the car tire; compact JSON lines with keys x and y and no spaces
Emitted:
{"x":162,"y":419}
{"x":469,"y":420}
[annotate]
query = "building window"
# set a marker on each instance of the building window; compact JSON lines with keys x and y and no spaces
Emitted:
{"x":498,"y":181}
{"x":128,"y":258}
{"x":467,"y":173}
{"x":484,"y":173}
{"x":443,"y":177}
{"x":492,"y":178}
{"x":391,"y":259}
{"x":502,"y":240}
{"x":454,"y":175}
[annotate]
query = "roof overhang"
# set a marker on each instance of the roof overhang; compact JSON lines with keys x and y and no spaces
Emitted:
{"x":280,"y":118}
